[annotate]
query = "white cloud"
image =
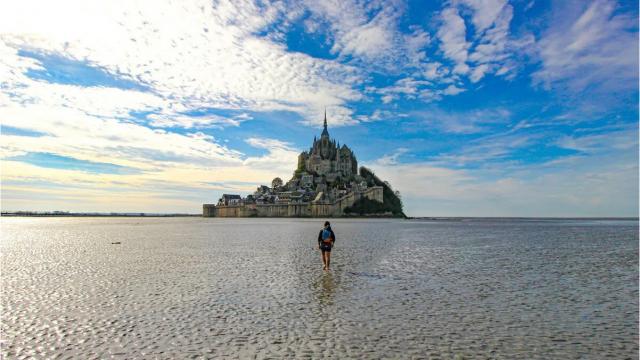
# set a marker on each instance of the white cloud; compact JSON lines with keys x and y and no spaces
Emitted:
{"x":199,"y":54}
{"x":604,"y":185}
{"x":503,"y":70}
{"x":280,"y":157}
{"x":405,"y":86}
{"x":453,"y":90}
{"x":485,"y":12}
{"x":169,"y":171}
{"x":378,"y":115}
{"x":198,"y":122}
{"x":486,"y":47}
{"x":386,"y":99}
{"x":597,"y":48}
{"x":463,"y":122}
{"x":357,"y":29}
{"x":178,"y":189}
{"x":164,"y":164}
{"x":187,"y":57}
{"x":75,"y":134}
{"x":412,"y":88}
{"x":626,"y":139}
{"x":434,"y":70}
{"x":369,"y":40}
{"x":470,"y":50}
{"x":195,"y":53}
{"x":487,"y":150}
{"x":495,"y":44}
{"x":368,"y":32}
{"x":392,"y":159}
{"x":478,"y":73}
{"x":415,"y":43}
{"x":452,"y":35}
{"x":336,"y":116}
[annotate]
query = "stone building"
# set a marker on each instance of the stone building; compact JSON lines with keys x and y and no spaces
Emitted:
{"x":230,"y":199}
{"x":328,"y":159}
{"x":325,"y":183}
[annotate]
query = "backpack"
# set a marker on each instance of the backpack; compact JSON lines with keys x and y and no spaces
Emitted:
{"x":326,"y":236}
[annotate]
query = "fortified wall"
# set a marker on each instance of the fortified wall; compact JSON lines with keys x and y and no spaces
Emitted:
{"x":313,"y":209}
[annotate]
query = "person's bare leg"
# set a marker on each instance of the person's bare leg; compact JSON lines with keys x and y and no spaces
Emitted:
{"x":328,"y":259}
{"x":324,"y":260}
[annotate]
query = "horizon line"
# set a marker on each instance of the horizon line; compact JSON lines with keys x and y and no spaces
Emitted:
{"x":57,"y":213}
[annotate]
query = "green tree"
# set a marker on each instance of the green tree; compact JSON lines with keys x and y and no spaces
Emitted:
{"x":391,"y":199}
{"x":276,"y":183}
{"x":301,"y":168}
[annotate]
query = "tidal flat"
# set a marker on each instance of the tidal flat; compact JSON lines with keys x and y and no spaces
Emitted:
{"x":171,"y":288}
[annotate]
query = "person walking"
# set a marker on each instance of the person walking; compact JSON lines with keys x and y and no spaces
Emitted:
{"x":326,"y":239}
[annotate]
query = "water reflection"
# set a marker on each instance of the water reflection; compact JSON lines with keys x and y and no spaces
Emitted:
{"x":324,"y":288}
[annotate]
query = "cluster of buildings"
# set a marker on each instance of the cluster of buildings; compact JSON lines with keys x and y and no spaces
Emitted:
{"x":327,"y":174}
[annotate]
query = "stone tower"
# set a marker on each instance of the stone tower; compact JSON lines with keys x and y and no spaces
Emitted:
{"x":328,"y":159}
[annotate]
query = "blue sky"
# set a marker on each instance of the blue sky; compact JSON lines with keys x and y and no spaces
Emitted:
{"x":467,"y":107}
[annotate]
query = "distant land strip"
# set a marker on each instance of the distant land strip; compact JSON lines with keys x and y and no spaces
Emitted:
{"x":427,"y":218}
{"x":92,"y":214}
{"x":510,"y":218}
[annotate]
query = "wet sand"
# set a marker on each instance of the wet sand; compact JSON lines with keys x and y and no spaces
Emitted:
{"x":254,"y":288}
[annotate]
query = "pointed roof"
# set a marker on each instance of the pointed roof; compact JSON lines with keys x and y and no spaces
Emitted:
{"x":325,"y":132}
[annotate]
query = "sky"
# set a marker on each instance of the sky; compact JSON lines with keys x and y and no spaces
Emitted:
{"x":466,"y":107}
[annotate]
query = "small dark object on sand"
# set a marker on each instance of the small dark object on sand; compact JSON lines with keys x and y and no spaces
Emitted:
{"x":116,"y":243}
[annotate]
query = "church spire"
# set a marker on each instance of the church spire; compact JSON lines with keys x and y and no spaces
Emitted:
{"x":325,"y":132}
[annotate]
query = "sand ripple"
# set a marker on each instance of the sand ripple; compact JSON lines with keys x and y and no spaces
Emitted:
{"x":253,"y":288}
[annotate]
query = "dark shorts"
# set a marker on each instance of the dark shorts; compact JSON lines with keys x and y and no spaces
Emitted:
{"x":325,"y":247}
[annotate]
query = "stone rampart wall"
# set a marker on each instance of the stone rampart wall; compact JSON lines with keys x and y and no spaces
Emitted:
{"x":335,"y":209}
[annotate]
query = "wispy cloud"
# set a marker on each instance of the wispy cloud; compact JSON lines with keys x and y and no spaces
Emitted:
{"x":173,"y":102}
{"x":198,"y":122}
{"x":463,"y":122}
{"x":486,"y":44}
{"x":379,"y":115}
{"x":453,"y":39}
{"x":626,"y":139}
{"x":590,"y":46}
{"x":392,"y":159}
{"x":280,"y":158}
{"x":485,"y":12}
{"x":192,"y":53}
{"x":368,"y":32}
{"x":591,"y":186}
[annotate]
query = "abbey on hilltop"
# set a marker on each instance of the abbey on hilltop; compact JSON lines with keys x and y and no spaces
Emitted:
{"x":328,"y":159}
{"x":325,"y":183}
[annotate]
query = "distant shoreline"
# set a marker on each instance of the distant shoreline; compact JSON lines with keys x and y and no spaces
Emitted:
{"x":461,"y":218}
{"x":428,"y":218}
{"x":70,"y":214}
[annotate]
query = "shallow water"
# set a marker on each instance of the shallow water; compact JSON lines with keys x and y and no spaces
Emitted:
{"x":193,"y":287}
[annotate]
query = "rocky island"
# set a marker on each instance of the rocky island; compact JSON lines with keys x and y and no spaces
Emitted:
{"x":326,"y":183}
